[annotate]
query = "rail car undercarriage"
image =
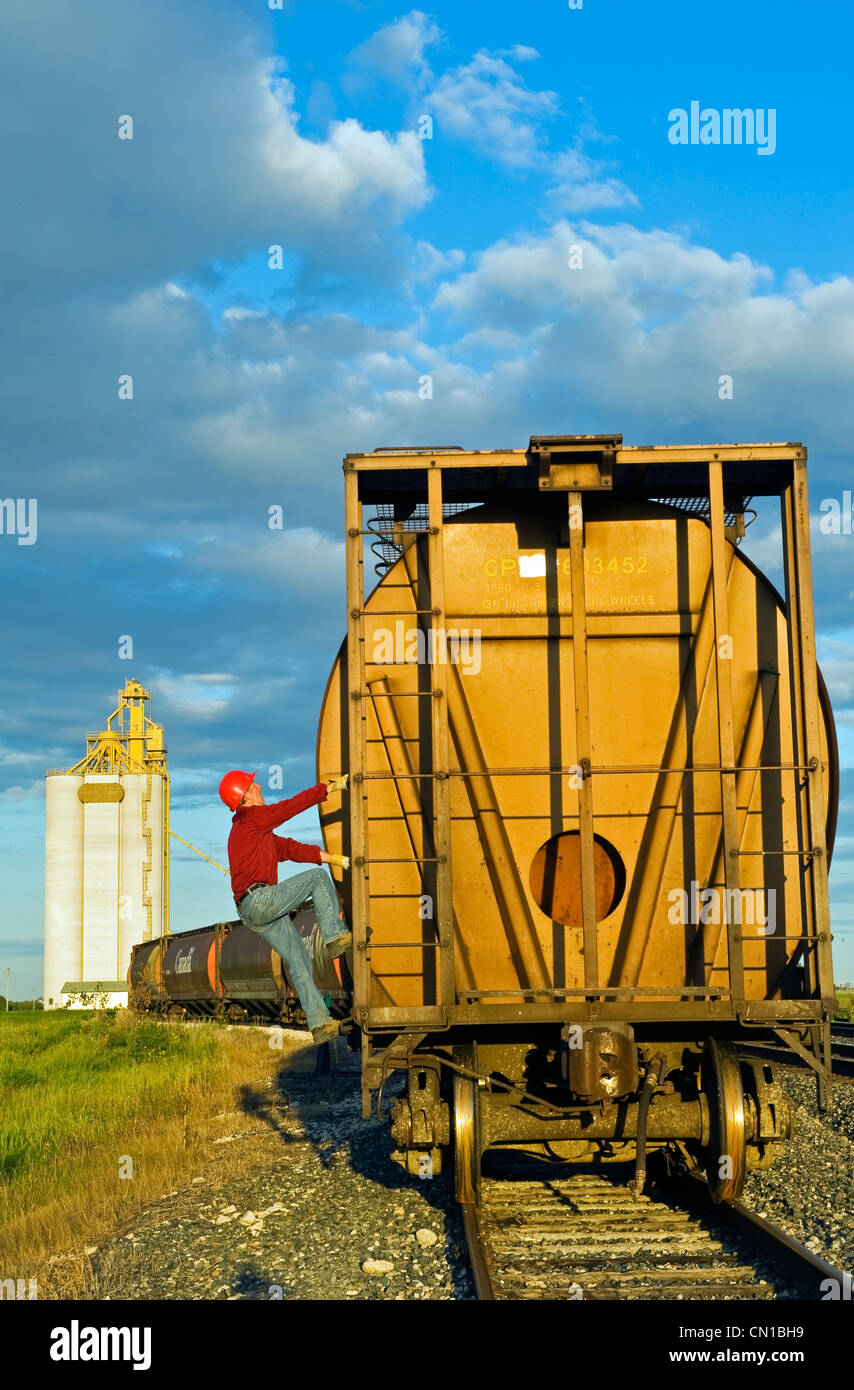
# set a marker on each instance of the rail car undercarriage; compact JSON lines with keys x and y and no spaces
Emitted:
{"x":604,"y":1092}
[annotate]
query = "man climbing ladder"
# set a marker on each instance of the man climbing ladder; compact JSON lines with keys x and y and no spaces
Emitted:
{"x":254,"y":854}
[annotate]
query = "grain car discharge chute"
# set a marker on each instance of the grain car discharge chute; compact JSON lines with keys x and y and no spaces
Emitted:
{"x":593,"y":787}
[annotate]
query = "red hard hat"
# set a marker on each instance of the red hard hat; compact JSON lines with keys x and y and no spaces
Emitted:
{"x":234,"y":787}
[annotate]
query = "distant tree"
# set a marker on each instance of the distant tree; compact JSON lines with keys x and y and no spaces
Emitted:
{"x":89,"y":999}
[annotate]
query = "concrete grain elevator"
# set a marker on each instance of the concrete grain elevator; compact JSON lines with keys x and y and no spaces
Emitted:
{"x":106,"y":856}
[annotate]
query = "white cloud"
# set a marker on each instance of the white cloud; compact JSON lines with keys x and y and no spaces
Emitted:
{"x":836,"y":658}
{"x":764,"y":548}
{"x":198,"y":695}
{"x":486,"y":103}
{"x":520,"y":53}
{"x":301,"y":558}
{"x":430,"y":262}
{"x":580,"y":187}
{"x":655,"y":320}
{"x":216,"y":165}
{"x":396,"y":52}
{"x":10,"y":757}
{"x":622,"y":266}
{"x":32,"y":791}
{"x":350,"y":171}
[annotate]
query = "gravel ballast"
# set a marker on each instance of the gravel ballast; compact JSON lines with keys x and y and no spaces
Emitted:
{"x":327,"y":1216}
{"x":809,"y":1191}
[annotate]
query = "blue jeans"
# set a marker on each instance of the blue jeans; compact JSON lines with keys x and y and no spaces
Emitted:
{"x":266,"y":912}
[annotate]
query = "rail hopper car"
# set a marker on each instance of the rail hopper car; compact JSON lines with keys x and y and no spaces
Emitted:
{"x":593,"y":790}
{"x":228,"y":970}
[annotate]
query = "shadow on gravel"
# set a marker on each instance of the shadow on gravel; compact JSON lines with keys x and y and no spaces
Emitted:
{"x":322,"y":1090}
{"x":248,"y":1282}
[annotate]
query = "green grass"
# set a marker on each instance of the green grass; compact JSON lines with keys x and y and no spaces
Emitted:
{"x":846,"y":1003}
{"x":91,"y":1076}
{"x":80,"y":1092}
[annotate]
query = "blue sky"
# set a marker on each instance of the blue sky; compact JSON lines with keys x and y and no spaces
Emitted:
{"x":402,"y":256}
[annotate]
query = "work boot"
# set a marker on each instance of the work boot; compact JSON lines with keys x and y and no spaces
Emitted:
{"x":327,"y":1031}
{"x":338,"y":945}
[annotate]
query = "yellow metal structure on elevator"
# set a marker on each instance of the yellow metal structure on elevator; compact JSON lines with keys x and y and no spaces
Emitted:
{"x":131,"y":742}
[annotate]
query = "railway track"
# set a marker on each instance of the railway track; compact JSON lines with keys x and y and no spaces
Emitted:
{"x":842,"y":1046}
{"x":585,"y":1235}
{"x":842,"y":1052}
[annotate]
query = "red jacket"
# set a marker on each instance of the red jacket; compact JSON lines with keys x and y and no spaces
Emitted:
{"x":254,"y":851}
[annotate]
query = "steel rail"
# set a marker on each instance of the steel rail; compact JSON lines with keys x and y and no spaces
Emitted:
{"x":842,"y":1062}
{"x":777,"y":1241}
{"x":481,"y":1265}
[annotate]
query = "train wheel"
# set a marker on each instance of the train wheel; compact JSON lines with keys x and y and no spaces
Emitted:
{"x":466,"y":1140}
{"x":725,"y":1158}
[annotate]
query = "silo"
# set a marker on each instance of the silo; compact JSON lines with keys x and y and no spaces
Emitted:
{"x":141,"y":863}
{"x":156,"y":836}
{"x":63,"y":885}
{"x":132,"y":924}
{"x":101,"y":795}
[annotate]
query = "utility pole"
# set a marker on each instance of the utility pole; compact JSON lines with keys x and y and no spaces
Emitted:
{"x":8,"y":980}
